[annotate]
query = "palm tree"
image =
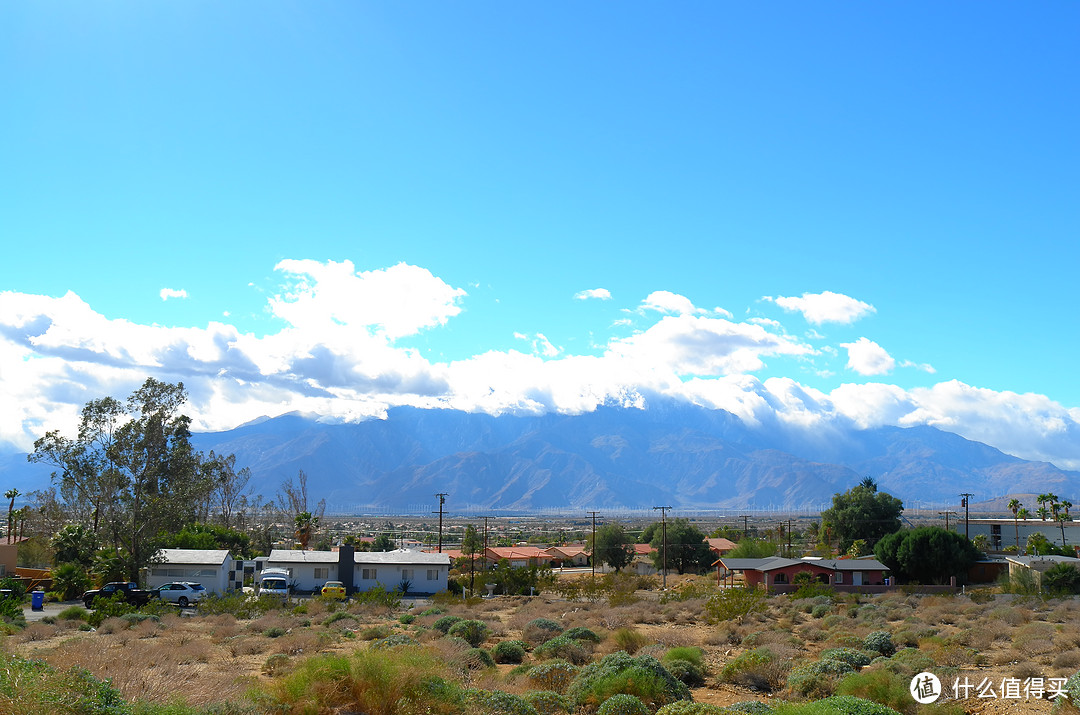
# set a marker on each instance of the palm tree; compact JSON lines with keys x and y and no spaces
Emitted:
{"x":305,"y":526}
{"x":1014,"y":507}
{"x":1023,"y":514}
{"x":1043,"y":512}
{"x":1064,"y":504}
{"x":10,"y":494}
{"x":1042,"y":499}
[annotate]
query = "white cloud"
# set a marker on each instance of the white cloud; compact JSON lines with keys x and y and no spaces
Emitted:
{"x":664,"y":301}
{"x":598,"y":293}
{"x":929,"y":369}
{"x":338,"y":355}
{"x":825,"y":307}
{"x":167,"y":293}
{"x":868,"y":358}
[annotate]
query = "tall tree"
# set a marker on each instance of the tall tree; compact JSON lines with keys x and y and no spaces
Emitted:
{"x":687,"y":549}
{"x":227,"y":487}
{"x":471,"y":545}
{"x":613,"y":547}
{"x":10,"y":494}
{"x":926,"y":555}
{"x":1015,"y":506}
{"x":293,"y":498}
{"x":131,"y":471}
{"x":305,"y":524}
{"x":862,"y":512}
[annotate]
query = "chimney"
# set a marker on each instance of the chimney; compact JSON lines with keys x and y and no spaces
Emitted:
{"x":346,"y":568}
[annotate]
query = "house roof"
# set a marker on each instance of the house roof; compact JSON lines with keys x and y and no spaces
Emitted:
{"x":567,"y":551}
{"x":519,"y":552}
{"x":774,"y":563}
{"x":295,"y":556}
{"x":401,"y":556}
{"x":214,"y":557}
{"x":1053,"y":558}
{"x":721,"y":544}
{"x":643,"y":549}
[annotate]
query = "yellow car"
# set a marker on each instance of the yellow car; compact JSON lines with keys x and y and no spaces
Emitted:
{"x":334,"y":589}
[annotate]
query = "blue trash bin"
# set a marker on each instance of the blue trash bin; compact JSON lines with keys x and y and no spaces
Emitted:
{"x":37,"y":600}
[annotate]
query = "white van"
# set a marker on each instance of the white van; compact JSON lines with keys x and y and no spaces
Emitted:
{"x":274,"y":582}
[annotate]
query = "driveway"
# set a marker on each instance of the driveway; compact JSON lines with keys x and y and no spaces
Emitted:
{"x":48,"y":609}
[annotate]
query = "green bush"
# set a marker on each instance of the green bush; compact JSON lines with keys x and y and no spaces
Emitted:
{"x":880,"y":686}
{"x":433,"y":611}
{"x":757,"y":669}
{"x":686,"y":707}
{"x":855,"y":658}
{"x":445,"y":623}
{"x":554,"y":675}
{"x":478,"y":659}
{"x":564,"y":648}
{"x":692,"y":654}
{"x":112,"y":607}
{"x":548,"y":702}
{"x":881,"y":642}
{"x":275,"y":664}
{"x":629,"y":640}
{"x":241,"y":605}
{"x":836,"y":705}
{"x":406,"y":618}
{"x":644,"y":677}
{"x":689,"y":672}
{"x":274,"y":632}
{"x":818,"y":678}
{"x":508,"y":652}
{"x":32,"y":686}
{"x":540,"y":630}
{"x":337,"y":616}
{"x":497,"y":702}
{"x":623,"y":704}
{"x":73,"y":613}
{"x":581,"y":633}
{"x":472,"y":632}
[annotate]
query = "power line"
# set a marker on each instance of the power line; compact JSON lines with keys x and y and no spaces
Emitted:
{"x":442,"y":500}
{"x":663,"y":519}
{"x":593,"y":559}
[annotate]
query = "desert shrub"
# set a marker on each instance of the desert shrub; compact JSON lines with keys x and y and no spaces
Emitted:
{"x":73,"y":613}
{"x":112,"y":607}
{"x":687,"y":590}
{"x":820,"y":611}
{"x":694,"y":655}
{"x":238,"y":604}
{"x":563,"y":648}
{"x":540,"y":630}
{"x":554,"y":675}
{"x":406,"y":618}
{"x":835,"y":705}
{"x":817,"y":679}
{"x":274,"y":632}
{"x":580,"y":633}
{"x":477,"y":659}
{"x":445,"y":623}
{"x":758,"y":669}
{"x":629,"y":640}
{"x":337,"y":616}
{"x":734,"y":604}
{"x":689,"y":672}
{"x":749,"y":707}
{"x":548,"y":702}
{"x":508,"y":652}
{"x":497,"y":702}
{"x":906,"y":662}
{"x":375,"y":682}
{"x":32,"y":686}
{"x":623,"y":704}
{"x":686,"y":707}
{"x":393,"y":641}
{"x":472,"y":632}
{"x":275,"y":664}
{"x":379,"y":596}
{"x":855,"y":658}
{"x":644,"y":677}
{"x":880,"y":686}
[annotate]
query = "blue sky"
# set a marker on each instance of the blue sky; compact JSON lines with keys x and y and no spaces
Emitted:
{"x":828,"y":212}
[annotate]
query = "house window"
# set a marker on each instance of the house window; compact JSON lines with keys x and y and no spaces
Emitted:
{"x":407,"y":574}
{"x":839,"y":577}
{"x":433,"y":574}
{"x":780,"y":578}
{"x":322,"y":573}
{"x":369,"y":574}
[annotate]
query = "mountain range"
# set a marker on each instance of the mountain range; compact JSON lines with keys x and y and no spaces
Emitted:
{"x":613,"y":458}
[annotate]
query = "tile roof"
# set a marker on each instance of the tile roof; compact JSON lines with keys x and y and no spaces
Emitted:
{"x":215,"y":557}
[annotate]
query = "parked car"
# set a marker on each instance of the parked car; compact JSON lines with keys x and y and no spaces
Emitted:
{"x":182,"y":593}
{"x":129,"y":590}
{"x":334,"y":589}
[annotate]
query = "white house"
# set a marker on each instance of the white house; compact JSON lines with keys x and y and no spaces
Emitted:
{"x":425,"y":572}
{"x":309,"y":570}
{"x":215,"y":569}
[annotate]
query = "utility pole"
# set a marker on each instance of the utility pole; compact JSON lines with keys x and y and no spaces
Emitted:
{"x":946,"y":515}
{"x":485,"y":542}
{"x":745,"y":524}
{"x":442,"y":500}
{"x":663,"y":519}
{"x":964,"y":502}
{"x":789,"y":538}
{"x":593,"y":558}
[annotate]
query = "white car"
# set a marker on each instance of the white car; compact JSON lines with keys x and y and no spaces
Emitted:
{"x":182,"y":593}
